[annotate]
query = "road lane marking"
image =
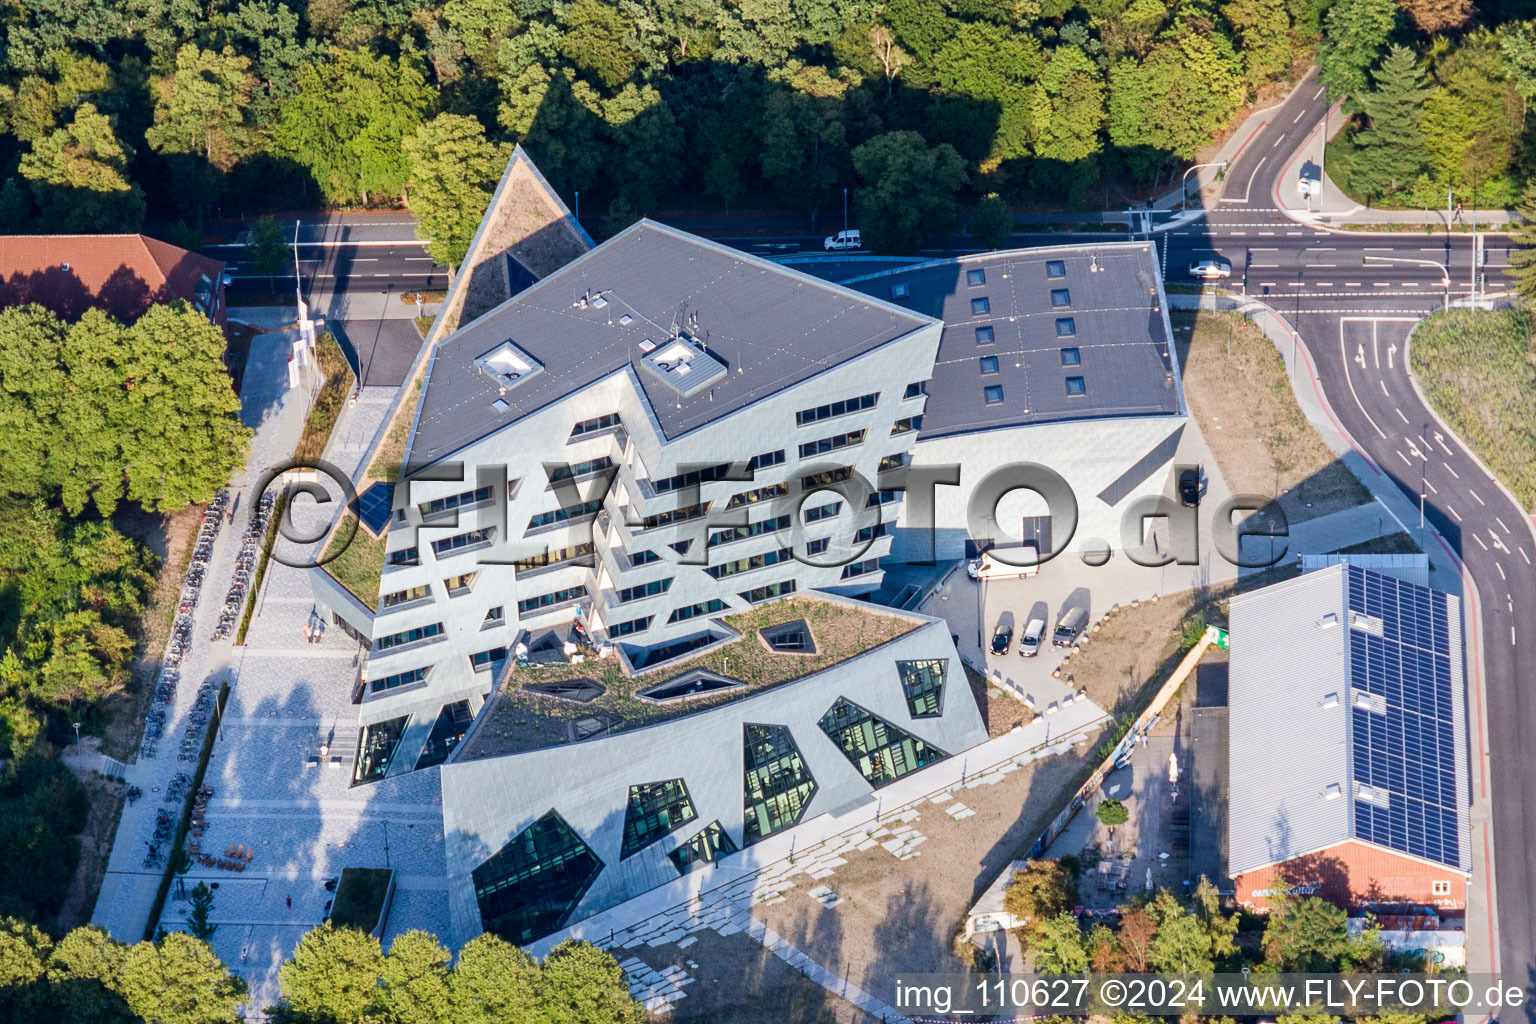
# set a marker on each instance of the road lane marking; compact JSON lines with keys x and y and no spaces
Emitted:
{"x":1480,"y":542}
{"x":1402,"y":456}
{"x":1400,"y":414}
{"x":1451,"y":471}
{"x":1410,"y":284}
{"x":365,"y":259}
{"x":1452,"y":510}
{"x":418,"y":259}
{"x":1384,"y":388}
{"x":1525,"y":556}
{"x":1319,"y":92}
{"x":1432,"y":488}
{"x":1263,"y":266}
{"x":1299,"y":115}
{"x":1499,"y":567}
{"x":1325,"y":284}
{"x":1278,"y":141}
{"x":1501,"y":524}
{"x":1480,"y":501}
{"x":1266,"y":232}
{"x":1350,"y":380}
{"x":1381,"y":284}
{"x":1321,"y":248}
{"x":1351,"y":284}
{"x":1295,"y":284}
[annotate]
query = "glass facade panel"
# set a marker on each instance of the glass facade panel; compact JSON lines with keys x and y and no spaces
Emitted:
{"x":923,"y":683}
{"x":531,"y":885}
{"x":881,"y":752}
{"x":655,"y":809}
{"x":452,"y":723}
{"x":376,"y":745}
{"x":778,"y":785}
{"x":710,"y":844}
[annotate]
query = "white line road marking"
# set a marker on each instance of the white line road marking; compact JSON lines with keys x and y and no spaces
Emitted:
{"x":1432,"y":488}
{"x":1402,"y":456}
{"x":1480,"y":542}
{"x":1509,"y":601}
{"x":1451,"y":471}
{"x":1295,"y":284}
{"x":1480,"y":501}
{"x":1451,"y":509}
{"x":1350,"y":380}
{"x":1377,"y":248}
{"x":1381,"y":284}
{"x":1384,"y":388}
{"x":1525,"y":556}
{"x":1319,"y":93}
{"x":1321,"y":248}
{"x":1263,"y":266}
{"x":418,"y":259}
{"x":1299,"y":115}
{"x":1400,"y":414}
{"x":1351,"y":284}
{"x":1278,"y":141}
{"x":1410,"y":284}
{"x":1500,"y":567}
{"x":1240,"y":232}
{"x":1325,"y":284}
{"x":1501,"y":524}
{"x":1295,"y":232}
{"x":1266,"y":232}
{"x":1512,"y":637}
{"x":1257,"y":249}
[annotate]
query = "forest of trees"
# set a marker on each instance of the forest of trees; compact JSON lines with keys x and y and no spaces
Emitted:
{"x":335,"y":976}
{"x":180,"y":109}
{"x":93,"y":415}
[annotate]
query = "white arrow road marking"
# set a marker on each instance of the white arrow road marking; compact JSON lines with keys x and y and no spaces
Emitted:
{"x":1391,"y":351}
{"x":1440,"y":440}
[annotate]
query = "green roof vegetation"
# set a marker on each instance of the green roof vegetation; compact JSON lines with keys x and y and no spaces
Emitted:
{"x":356,"y":559}
{"x":361,"y":897}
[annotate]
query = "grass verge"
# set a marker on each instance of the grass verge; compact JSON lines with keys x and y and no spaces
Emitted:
{"x":1478,"y":370}
{"x":329,"y":400}
{"x":261,"y":567}
{"x":178,"y":844}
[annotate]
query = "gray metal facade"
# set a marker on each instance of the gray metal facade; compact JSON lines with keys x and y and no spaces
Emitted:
{"x":1292,"y":694}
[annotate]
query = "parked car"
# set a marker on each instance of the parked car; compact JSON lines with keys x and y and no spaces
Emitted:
{"x":1068,"y":626}
{"x":985,"y":567}
{"x":1189,"y":488}
{"x":1210,"y":270}
{"x":843,"y":240}
{"x":1029,"y":643}
{"x":1002,"y":639}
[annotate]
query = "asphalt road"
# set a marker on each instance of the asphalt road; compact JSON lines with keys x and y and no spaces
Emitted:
{"x":1352,"y":298}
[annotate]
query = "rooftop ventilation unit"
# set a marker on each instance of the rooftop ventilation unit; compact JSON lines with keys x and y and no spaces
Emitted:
{"x":1328,"y":621}
{"x":1332,"y":791}
{"x":508,"y":366}
{"x":626,"y":320}
{"x":599,"y":301}
{"x":683,"y":364}
{"x":1330,"y":700}
{"x":647,"y":346}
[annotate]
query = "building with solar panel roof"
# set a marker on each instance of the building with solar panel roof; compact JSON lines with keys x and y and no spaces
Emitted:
{"x":1348,"y":742}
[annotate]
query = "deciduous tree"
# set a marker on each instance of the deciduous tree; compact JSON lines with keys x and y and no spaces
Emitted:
{"x":1355,"y":34}
{"x":179,"y":980}
{"x":79,"y":177}
{"x":909,"y":190}
{"x":581,"y":984}
{"x":494,"y":982}
{"x":454,"y":170}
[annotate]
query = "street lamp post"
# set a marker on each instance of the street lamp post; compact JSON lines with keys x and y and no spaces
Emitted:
{"x":1184,"y":183}
{"x":77,"y":733}
{"x":1445,"y":273}
{"x":845,"y":211}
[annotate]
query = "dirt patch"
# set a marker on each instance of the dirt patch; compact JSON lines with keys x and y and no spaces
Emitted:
{"x":1239,"y":393}
{"x":106,"y":797}
{"x":1000,"y":712}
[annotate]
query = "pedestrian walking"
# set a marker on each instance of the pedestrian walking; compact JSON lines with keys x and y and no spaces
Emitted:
{"x":290,"y":902}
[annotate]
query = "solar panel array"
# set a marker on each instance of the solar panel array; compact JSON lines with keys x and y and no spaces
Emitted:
{"x":1409,"y":752}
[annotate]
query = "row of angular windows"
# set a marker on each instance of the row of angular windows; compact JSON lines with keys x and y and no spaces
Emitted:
{"x":840,"y":408}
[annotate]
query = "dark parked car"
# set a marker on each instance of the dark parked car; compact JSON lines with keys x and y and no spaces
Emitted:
{"x":1189,"y":488}
{"x":1002,"y":639}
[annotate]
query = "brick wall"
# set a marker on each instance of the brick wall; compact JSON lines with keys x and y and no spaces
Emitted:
{"x":1353,"y":873}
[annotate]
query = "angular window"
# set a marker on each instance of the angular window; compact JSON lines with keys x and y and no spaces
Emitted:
{"x":534,"y":604}
{"x":760,"y":494}
{"x":881,"y":752}
{"x":386,"y":683}
{"x":696,"y":476}
{"x":1076,"y":387}
{"x":884,"y":497}
{"x":708,"y":845}
{"x":693,"y":611}
{"x":907,"y":425}
{"x":655,"y":808}
{"x":777,"y":784}
{"x":975,"y":278}
{"x":630,"y":628}
{"x":757,"y":595}
{"x":863,"y":568}
{"x":767,"y":459}
{"x":867,"y":534}
{"x":923,"y":683}
{"x":443,"y":506}
{"x":992,"y":394}
{"x":594,"y":425}
{"x":681,"y":546}
{"x":916,"y":389}
{"x":818,"y":546}
{"x":789,"y":637}
{"x":820,"y":512}
{"x":831,"y":444}
{"x":556,"y":557}
{"x":1071,"y":357}
{"x":485,"y":661}
{"x":405,"y":556}
{"x":643,"y":558}
{"x":826,"y":479}
{"x":980,"y":306}
{"x":452,"y":723}
{"x":495,"y":617}
{"x":750,"y":563}
{"x":831,"y":409}
{"x":643,"y":590}
{"x":1055,"y":268}
{"x":569,"y":513}
{"x":988,"y":365}
{"x":579,"y":470}
{"x":463,"y":541}
{"x":376,"y":746}
{"x":736,"y":533}
{"x":409,"y":596}
{"x":459,"y":585}
{"x":1061,"y":297}
{"x":530,"y":886}
{"x":898,"y":461}
{"x":1066,"y":327}
{"x":985,"y":336}
{"x":674,"y":516}
{"x":409,"y":636}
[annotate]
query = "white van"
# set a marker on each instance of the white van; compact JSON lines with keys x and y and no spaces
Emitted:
{"x":988,"y":568}
{"x":1070,"y":624}
{"x":1034,"y":633}
{"x":843,"y":240}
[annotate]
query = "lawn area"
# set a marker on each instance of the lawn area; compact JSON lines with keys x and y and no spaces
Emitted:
{"x":1478,"y":370}
{"x":329,"y":402}
{"x":356,"y":559}
{"x":1249,"y":416}
{"x":386,"y":460}
{"x":522,"y":720}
